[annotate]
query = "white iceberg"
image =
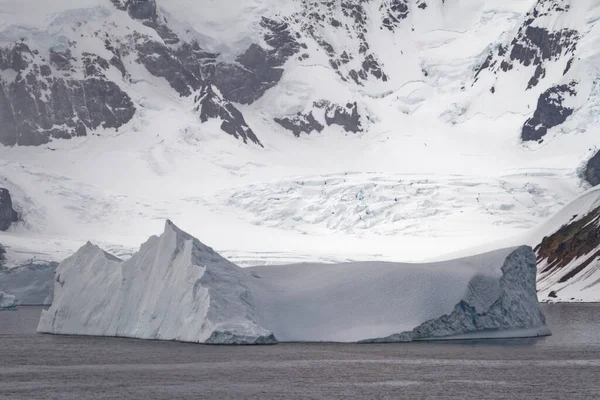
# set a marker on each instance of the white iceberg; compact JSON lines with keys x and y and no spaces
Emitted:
{"x":176,"y":288}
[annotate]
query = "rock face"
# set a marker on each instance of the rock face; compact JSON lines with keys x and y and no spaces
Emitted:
{"x":211,"y":104}
{"x":142,"y":9}
{"x":568,"y":255}
{"x":347,"y":117}
{"x":550,"y":112}
{"x":259,"y":69}
{"x":535,"y":45}
{"x":7,"y":214}
{"x":576,"y":241}
{"x":354,"y":17}
{"x":36,"y":105}
{"x":592,"y":170}
{"x":328,"y":114}
{"x":174,"y":288}
{"x":300,"y":123}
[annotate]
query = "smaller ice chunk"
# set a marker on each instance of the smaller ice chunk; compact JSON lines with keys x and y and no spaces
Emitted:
{"x":7,"y":302}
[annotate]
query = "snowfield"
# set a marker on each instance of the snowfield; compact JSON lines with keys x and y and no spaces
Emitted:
{"x":176,"y":288}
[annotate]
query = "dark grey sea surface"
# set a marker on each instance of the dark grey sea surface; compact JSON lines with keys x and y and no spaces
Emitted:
{"x":563,"y":366}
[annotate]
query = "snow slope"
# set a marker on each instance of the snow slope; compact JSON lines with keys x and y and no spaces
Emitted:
{"x":568,"y":250}
{"x":176,"y":288}
{"x":428,"y":159}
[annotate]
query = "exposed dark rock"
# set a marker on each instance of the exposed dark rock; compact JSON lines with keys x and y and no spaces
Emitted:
{"x":36,"y":106}
{"x":2,"y":253}
{"x":161,"y":61}
{"x":592,"y":170}
{"x":211,"y":104}
{"x":550,"y":112}
{"x":260,"y":69}
{"x":142,"y":9}
{"x":355,"y":23}
{"x":535,"y":46}
{"x":578,"y":240}
{"x":120,"y":4}
{"x":196,"y":60}
{"x":347,"y":117}
{"x":94,"y":65}
{"x":61,"y":60}
{"x":394,"y":11}
{"x":7,"y":214}
{"x":300,"y":123}
{"x":371,"y":66}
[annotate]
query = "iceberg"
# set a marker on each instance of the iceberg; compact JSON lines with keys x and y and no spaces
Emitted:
{"x":7,"y":302}
{"x":176,"y":288}
{"x":31,"y":283}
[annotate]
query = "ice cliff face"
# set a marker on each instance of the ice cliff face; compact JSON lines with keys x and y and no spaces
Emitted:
{"x":176,"y":288}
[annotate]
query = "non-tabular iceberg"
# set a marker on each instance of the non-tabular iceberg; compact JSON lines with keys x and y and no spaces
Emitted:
{"x":7,"y":302}
{"x":176,"y":288}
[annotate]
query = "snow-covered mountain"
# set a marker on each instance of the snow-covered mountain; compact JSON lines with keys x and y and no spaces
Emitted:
{"x":295,"y":130}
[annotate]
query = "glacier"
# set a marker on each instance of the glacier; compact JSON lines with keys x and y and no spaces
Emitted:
{"x":176,"y":288}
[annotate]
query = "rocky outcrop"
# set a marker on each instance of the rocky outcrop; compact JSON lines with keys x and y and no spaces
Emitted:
{"x":210,"y":104}
{"x":37,"y":105}
{"x":534,"y":45}
{"x":142,"y":9}
{"x":259,"y":68}
{"x":551,"y":111}
{"x":161,"y":61}
{"x":329,"y":113}
{"x":347,"y":117}
{"x":7,"y":214}
{"x":300,"y":123}
{"x":363,"y":64}
{"x":577,"y":241}
{"x":592,"y":170}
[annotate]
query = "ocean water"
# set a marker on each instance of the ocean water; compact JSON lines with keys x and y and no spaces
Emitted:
{"x":563,"y":366}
